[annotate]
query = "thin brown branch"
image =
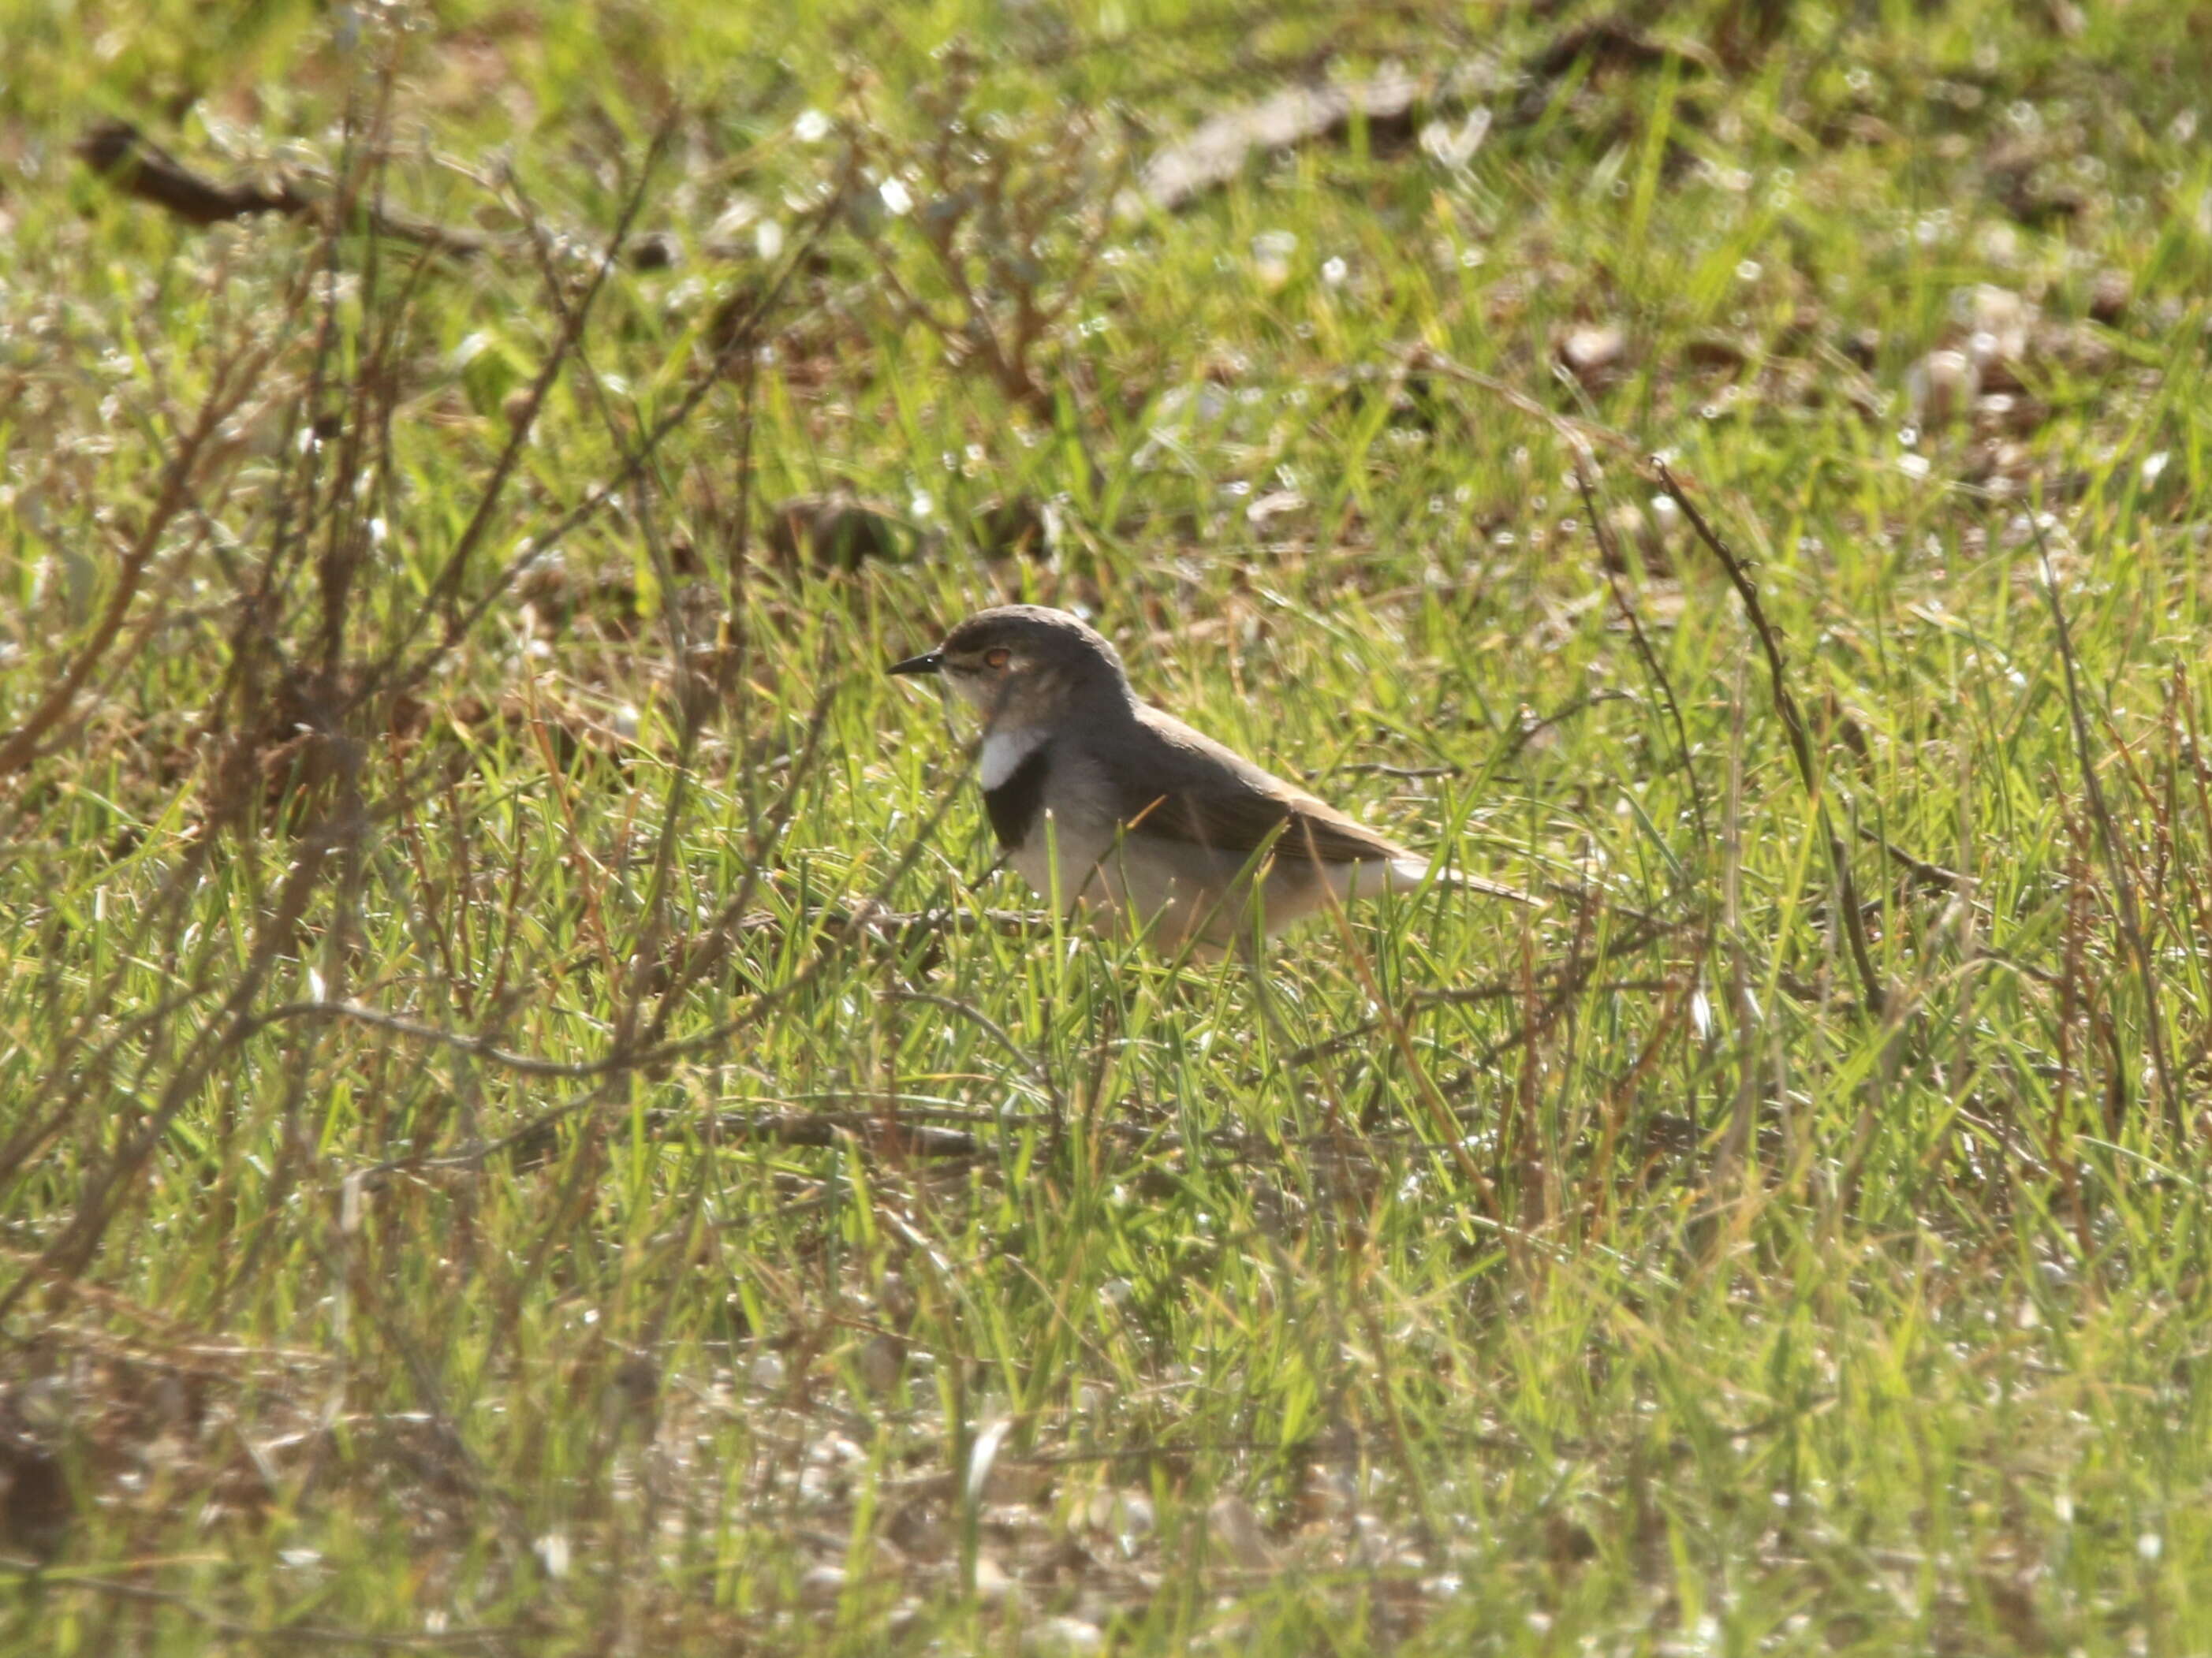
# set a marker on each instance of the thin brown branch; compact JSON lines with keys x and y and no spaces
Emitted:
{"x":119,"y":153}
{"x":1873,"y":992}
{"x":445,"y":585}
{"x":738,"y":337}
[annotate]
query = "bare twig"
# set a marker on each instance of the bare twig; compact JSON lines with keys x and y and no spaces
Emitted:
{"x":444,"y":587}
{"x":738,"y":338}
{"x":139,"y":166}
{"x":1873,"y":992}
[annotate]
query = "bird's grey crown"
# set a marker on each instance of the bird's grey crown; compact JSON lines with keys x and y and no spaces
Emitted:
{"x":1051,"y":637}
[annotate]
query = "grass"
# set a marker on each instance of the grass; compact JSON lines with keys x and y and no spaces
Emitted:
{"x":532,"y":1124}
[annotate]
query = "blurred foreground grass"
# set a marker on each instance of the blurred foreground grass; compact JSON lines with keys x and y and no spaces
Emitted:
{"x":528,"y":1123}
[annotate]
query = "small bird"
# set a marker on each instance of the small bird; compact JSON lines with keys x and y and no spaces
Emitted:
{"x":1105,"y":802}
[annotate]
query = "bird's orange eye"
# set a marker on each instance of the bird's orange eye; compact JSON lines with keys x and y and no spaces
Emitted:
{"x":996,"y":658}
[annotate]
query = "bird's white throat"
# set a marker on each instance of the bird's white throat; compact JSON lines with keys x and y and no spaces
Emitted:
{"x":1004,"y":752}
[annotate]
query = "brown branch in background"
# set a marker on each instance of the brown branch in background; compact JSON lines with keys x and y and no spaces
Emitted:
{"x":29,"y":1142}
{"x":2108,"y":841}
{"x":703,"y":952}
{"x":1561,"y":1001}
{"x":1874,"y":993}
{"x":1933,"y":878}
{"x":139,"y":166}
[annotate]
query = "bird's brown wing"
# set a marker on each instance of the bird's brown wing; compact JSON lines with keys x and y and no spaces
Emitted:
{"x":1184,"y":785}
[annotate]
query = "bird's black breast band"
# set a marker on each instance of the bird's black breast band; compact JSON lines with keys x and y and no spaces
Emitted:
{"x":1015,"y":803}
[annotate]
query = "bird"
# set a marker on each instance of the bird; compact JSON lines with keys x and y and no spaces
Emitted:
{"x":1108,"y":805}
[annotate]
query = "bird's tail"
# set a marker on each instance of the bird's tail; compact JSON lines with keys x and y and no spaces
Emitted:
{"x":1412,"y":871}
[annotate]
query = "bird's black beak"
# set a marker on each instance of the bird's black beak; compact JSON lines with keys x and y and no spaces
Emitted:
{"x":927,"y":662}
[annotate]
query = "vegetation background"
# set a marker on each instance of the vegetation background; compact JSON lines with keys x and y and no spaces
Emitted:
{"x":529,"y":1122}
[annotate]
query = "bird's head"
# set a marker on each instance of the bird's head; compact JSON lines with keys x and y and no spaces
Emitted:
{"x":1024,"y":665}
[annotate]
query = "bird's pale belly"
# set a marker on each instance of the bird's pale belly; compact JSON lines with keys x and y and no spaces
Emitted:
{"x":1174,"y":892}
